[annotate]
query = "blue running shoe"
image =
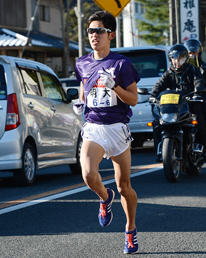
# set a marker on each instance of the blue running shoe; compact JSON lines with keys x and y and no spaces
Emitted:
{"x":105,"y":212}
{"x":131,"y":245}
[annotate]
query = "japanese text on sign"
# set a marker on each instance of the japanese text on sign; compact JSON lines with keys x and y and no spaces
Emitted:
{"x":169,"y":99}
{"x":189,"y":19}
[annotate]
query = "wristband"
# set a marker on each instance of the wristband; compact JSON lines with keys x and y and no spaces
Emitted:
{"x":115,"y":86}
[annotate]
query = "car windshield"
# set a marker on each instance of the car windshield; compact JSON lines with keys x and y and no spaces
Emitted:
{"x":148,"y":63}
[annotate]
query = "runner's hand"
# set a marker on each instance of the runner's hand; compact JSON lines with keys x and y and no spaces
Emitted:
{"x":78,"y":107}
{"x":106,"y":79}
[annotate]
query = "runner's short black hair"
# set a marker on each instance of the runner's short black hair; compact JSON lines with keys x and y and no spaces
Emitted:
{"x":105,"y":17}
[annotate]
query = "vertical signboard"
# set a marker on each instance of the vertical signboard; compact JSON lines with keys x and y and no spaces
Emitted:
{"x":189,"y":19}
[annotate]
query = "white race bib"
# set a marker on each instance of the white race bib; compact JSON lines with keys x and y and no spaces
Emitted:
{"x":100,"y":96}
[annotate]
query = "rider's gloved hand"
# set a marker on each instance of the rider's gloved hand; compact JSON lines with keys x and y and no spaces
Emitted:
{"x":106,"y":79}
{"x":152,"y":100}
{"x":78,"y":107}
{"x":196,"y":97}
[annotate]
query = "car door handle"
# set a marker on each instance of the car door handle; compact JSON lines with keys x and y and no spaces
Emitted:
{"x":53,"y":109}
{"x":30,"y":105}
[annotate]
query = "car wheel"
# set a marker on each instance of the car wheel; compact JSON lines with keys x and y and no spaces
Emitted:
{"x":26,"y":175}
{"x":76,"y":168}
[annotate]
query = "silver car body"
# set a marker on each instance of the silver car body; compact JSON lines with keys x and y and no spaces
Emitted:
{"x":47,"y":121}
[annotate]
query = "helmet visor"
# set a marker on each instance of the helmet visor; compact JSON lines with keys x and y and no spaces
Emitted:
{"x":178,"y":61}
{"x":194,"y":60}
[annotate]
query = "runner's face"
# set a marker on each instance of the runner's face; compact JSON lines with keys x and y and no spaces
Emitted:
{"x":99,"y":42}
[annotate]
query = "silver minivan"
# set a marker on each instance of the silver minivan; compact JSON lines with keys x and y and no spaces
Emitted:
{"x":38,"y":127}
{"x":150,"y":62}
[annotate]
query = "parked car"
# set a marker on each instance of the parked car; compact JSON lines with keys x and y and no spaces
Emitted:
{"x":150,"y":62}
{"x":70,"y":82}
{"x":38,"y":127}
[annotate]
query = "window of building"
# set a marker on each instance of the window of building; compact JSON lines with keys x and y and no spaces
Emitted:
{"x":136,"y":7}
{"x":142,"y":9}
{"x":139,"y":8}
{"x":44,"y":13}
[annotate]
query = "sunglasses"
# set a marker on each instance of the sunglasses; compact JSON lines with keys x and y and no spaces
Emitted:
{"x":98,"y":30}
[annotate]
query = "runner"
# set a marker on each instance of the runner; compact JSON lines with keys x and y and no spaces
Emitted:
{"x":108,"y":88}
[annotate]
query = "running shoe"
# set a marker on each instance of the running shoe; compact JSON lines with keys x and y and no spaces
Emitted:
{"x":105,"y":212}
{"x":131,"y":245}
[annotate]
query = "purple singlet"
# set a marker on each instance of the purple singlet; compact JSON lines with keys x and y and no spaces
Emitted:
{"x":102,"y":104}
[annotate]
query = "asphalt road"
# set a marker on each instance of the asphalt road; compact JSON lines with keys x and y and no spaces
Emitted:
{"x":170,"y":217}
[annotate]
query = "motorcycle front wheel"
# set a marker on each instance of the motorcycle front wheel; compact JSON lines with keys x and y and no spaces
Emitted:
{"x":172,"y":165}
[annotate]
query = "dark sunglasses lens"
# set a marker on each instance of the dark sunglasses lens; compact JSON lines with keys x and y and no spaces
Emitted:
{"x":90,"y":31}
{"x":97,"y":30}
{"x":101,"y":31}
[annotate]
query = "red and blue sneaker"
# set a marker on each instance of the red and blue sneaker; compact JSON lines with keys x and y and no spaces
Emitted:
{"x":105,"y":212}
{"x":131,"y":245}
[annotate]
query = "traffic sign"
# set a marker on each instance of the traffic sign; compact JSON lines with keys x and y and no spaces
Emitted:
{"x":115,"y":7}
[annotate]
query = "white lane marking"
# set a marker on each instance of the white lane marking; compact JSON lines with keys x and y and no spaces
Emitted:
{"x":69,"y":192}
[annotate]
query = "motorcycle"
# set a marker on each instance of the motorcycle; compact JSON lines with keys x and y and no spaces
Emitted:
{"x":178,"y":148}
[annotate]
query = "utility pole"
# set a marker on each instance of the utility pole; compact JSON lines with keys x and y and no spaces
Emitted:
{"x":172,"y":22}
{"x":118,"y":33}
{"x":79,"y":11}
{"x":131,"y":22}
{"x":177,"y":23}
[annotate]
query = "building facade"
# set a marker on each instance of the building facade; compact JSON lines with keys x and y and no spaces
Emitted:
{"x":131,"y":14}
{"x":32,"y":29}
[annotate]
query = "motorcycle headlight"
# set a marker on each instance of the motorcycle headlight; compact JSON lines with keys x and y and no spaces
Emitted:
{"x":168,"y":118}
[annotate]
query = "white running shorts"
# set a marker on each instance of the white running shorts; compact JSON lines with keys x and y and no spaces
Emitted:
{"x":114,"y":138}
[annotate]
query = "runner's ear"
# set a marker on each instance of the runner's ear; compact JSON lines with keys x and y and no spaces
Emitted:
{"x":112,"y":35}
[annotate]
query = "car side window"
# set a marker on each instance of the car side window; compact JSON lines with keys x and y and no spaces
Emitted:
{"x":30,"y":82}
{"x":2,"y":83}
{"x":52,"y":87}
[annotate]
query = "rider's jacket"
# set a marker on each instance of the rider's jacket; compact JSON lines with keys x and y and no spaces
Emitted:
{"x":203,"y":69}
{"x":189,"y":79}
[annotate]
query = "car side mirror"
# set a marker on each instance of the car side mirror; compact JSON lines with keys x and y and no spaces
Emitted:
{"x":143,"y":91}
{"x":72,"y":94}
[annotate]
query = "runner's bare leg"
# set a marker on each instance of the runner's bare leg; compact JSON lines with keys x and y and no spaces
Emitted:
{"x":122,"y":167}
{"x":91,"y":155}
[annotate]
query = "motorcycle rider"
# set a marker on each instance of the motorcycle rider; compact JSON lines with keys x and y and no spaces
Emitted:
{"x":180,"y":75}
{"x":194,"y":48}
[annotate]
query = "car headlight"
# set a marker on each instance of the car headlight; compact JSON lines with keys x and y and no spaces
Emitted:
{"x":168,"y":118}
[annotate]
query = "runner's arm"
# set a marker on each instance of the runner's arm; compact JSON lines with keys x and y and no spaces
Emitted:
{"x":81,"y":93}
{"x":128,"y":95}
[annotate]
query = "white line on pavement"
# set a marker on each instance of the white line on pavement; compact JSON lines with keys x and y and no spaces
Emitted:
{"x":69,"y":192}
